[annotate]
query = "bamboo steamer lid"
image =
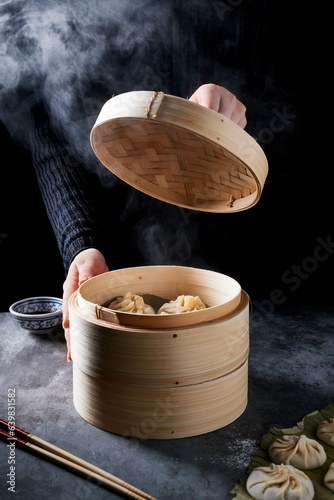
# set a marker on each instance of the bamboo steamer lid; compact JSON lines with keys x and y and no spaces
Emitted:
{"x":160,"y":383}
{"x":179,"y":152}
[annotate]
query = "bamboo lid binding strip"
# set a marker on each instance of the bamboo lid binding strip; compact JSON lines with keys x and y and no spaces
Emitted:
{"x":220,"y":292}
{"x":179,"y":152}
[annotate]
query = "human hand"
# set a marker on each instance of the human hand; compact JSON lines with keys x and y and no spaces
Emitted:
{"x":85,"y":265}
{"x":221,"y":100}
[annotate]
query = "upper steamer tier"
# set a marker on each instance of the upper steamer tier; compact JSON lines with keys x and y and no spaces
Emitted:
{"x":179,"y":152}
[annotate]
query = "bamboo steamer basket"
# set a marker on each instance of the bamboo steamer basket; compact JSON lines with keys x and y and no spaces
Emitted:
{"x":179,"y":152}
{"x":173,"y":376}
{"x":153,"y":377}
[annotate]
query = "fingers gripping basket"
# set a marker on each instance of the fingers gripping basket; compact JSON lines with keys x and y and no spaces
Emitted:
{"x":160,"y":377}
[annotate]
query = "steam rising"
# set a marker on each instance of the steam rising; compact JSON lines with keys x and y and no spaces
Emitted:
{"x":74,"y":55}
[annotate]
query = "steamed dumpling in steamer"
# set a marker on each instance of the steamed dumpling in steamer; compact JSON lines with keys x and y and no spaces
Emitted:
{"x":183,"y":304}
{"x":131,"y":303}
{"x":325,"y":431}
{"x":299,"y":451}
{"x":279,"y":482}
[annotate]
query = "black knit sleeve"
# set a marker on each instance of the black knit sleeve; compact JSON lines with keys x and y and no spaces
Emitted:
{"x":65,"y":188}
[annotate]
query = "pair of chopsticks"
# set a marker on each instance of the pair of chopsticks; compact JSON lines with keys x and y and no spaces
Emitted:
{"x":60,"y":457}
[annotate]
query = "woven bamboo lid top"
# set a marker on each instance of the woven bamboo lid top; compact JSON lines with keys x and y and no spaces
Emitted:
{"x":179,"y":152}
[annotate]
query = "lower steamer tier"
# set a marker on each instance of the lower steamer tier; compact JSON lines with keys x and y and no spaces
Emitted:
{"x":160,"y":383}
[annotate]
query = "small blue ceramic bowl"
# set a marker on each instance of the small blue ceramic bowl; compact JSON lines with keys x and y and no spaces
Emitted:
{"x":38,"y":314}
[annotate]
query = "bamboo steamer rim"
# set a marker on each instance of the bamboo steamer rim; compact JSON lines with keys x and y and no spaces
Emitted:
{"x":97,"y":290}
{"x":179,"y":152}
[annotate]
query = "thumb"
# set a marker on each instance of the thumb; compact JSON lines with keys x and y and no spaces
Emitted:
{"x":84,"y":276}
{"x":86,"y":272}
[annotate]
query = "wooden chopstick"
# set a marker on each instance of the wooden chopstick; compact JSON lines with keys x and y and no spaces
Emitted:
{"x":52,"y":453}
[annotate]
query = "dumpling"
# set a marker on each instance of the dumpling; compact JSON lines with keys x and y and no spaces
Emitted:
{"x":279,"y":482}
{"x":299,"y":451}
{"x":329,"y":477}
{"x":325,"y":431}
{"x":131,"y":303}
{"x":183,"y":304}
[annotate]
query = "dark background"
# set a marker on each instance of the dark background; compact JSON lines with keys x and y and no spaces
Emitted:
{"x":30,"y":263}
{"x":270,"y":249}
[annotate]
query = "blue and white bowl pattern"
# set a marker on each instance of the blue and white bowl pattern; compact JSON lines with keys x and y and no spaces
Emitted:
{"x":38,"y":314}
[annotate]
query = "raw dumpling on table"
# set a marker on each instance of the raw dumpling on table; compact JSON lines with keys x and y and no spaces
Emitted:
{"x":183,"y":304}
{"x":131,"y":303}
{"x":299,"y":451}
{"x":329,"y":478}
{"x":279,"y":482}
{"x":325,"y":431}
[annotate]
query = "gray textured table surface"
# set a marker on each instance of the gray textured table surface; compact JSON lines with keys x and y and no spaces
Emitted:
{"x":290,"y":375}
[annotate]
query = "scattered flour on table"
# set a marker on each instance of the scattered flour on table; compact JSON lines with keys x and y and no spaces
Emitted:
{"x":239,"y":452}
